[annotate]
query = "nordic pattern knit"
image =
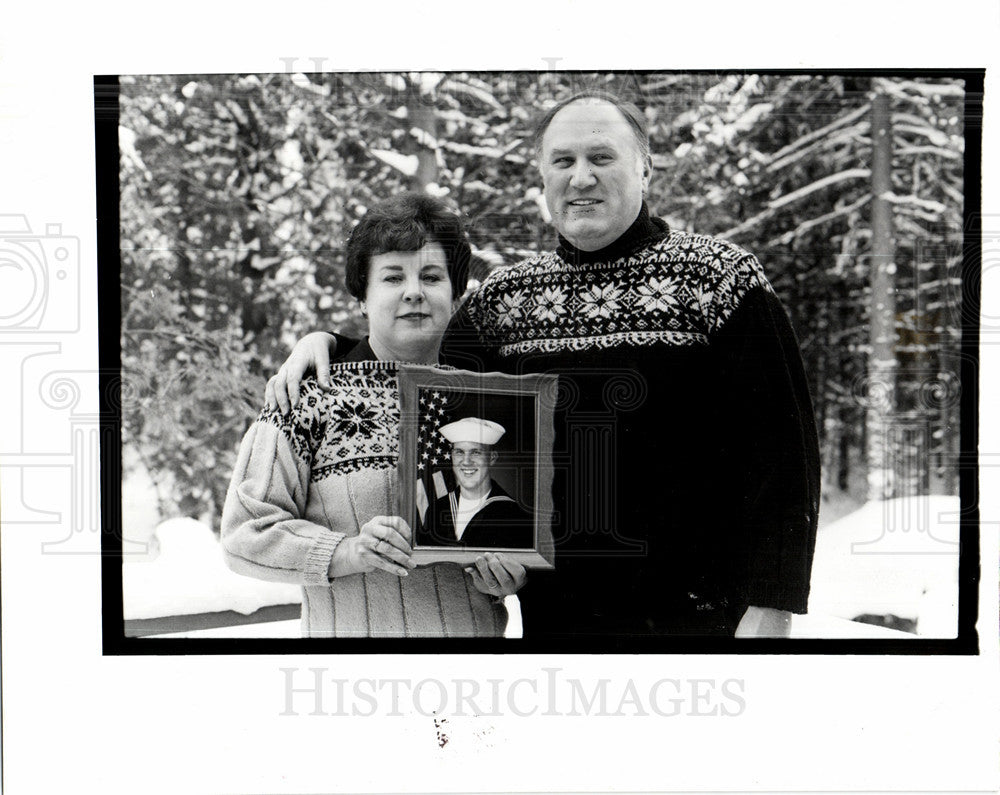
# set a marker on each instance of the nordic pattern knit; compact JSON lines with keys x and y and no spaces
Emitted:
{"x":676,"y":292}
{"x":689,"y":482}
{"x":305,"y":481}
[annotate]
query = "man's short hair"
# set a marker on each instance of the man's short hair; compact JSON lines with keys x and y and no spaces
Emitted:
{"x":636,"y":118}
{"x":407,"y":222}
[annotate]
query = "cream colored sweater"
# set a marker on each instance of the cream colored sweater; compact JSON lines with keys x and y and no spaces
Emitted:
{"x":305,"y":481}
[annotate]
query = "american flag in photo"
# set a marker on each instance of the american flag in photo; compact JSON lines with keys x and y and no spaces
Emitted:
{"x":433,"y":451}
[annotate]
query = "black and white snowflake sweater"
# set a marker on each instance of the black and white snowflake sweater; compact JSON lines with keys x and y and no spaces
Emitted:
{"x":305,"y":481}
{"x":686,"y":455}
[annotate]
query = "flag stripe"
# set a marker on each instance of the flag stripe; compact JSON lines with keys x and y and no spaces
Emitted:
{"x":422,"y":502}
{"x":440,"y":487}
{"x":432,"y":450}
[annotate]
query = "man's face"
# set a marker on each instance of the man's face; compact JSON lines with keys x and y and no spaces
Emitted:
{"x":593,"y":172}
{"x":471,"y":464}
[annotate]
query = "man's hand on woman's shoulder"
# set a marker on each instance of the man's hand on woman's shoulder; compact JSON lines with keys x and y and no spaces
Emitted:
{"x":311,"y":353}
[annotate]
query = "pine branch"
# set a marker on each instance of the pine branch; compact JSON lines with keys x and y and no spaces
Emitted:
{"x":928,"y":150}
{"x":900,"y":88}
{"x":934,"y":136}
{"x":926,"y":204}
{"x":776,"y":204}
{"x":821,"y":132}
{"x":843,"y":176}
{"x":857,"y":133}
{"x":804,"y":227}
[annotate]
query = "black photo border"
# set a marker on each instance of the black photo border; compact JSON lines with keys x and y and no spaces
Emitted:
{"x":115,"y":642}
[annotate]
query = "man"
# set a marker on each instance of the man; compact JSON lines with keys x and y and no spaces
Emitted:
{"x":481,"y":514}
{"x":689,"y":499}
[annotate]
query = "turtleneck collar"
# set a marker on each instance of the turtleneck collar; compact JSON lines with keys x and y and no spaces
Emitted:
{"x":644,"y":231}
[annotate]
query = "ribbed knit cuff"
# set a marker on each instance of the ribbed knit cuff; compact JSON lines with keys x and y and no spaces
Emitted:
{"x":318,"y":560}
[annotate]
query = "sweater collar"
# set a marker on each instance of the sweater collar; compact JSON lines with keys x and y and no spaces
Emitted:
{"x":644,"y":231}
{"x":362,"y":352}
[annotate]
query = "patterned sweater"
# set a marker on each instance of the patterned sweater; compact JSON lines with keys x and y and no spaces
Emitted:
{"x":305,"y":481}
{"x":686,"y":456}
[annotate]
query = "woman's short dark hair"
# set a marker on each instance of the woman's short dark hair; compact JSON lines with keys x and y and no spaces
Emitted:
{"x":636,"y":118}
{"x":407,"y":222}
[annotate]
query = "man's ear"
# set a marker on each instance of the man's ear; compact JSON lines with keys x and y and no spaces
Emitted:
{"x":364,"y":308}
{"x":647,"y":173}
{"x":493,"y":457}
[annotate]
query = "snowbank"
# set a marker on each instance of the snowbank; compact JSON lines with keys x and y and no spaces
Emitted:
{"x":189,"y":576}
{"x":899,"y":556}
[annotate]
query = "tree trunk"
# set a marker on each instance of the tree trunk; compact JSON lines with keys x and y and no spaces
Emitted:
{"x":847,"y":420}
{"x":422,"y":118}
{"x":882,"y":359}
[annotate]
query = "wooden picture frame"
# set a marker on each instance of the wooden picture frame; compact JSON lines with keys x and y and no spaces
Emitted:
{"x":520,"y":498}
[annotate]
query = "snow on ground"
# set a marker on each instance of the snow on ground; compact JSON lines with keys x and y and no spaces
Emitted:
{"x":267,"y":629}
{"x":899,"y":556}
{"x":189,"y":576}
{"x":814,"y":625}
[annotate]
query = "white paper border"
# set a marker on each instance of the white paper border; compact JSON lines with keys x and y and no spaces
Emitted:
{"x":76,"y":720}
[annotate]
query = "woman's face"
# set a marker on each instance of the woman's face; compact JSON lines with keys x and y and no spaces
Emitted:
{"x":409,"y":303}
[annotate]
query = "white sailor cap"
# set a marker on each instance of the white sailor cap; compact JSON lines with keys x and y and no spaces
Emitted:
{"x":473,"y":429}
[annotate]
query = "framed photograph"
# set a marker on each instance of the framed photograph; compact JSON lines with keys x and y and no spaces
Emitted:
{"x":475,"y":464}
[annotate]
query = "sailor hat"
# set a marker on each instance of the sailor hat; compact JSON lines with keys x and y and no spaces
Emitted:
{"x":472,"y":429}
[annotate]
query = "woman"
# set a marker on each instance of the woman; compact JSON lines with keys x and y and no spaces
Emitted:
{"x":314,"y":492}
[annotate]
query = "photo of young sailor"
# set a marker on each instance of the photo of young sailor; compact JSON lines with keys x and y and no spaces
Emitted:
{"x":478,"y":512}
